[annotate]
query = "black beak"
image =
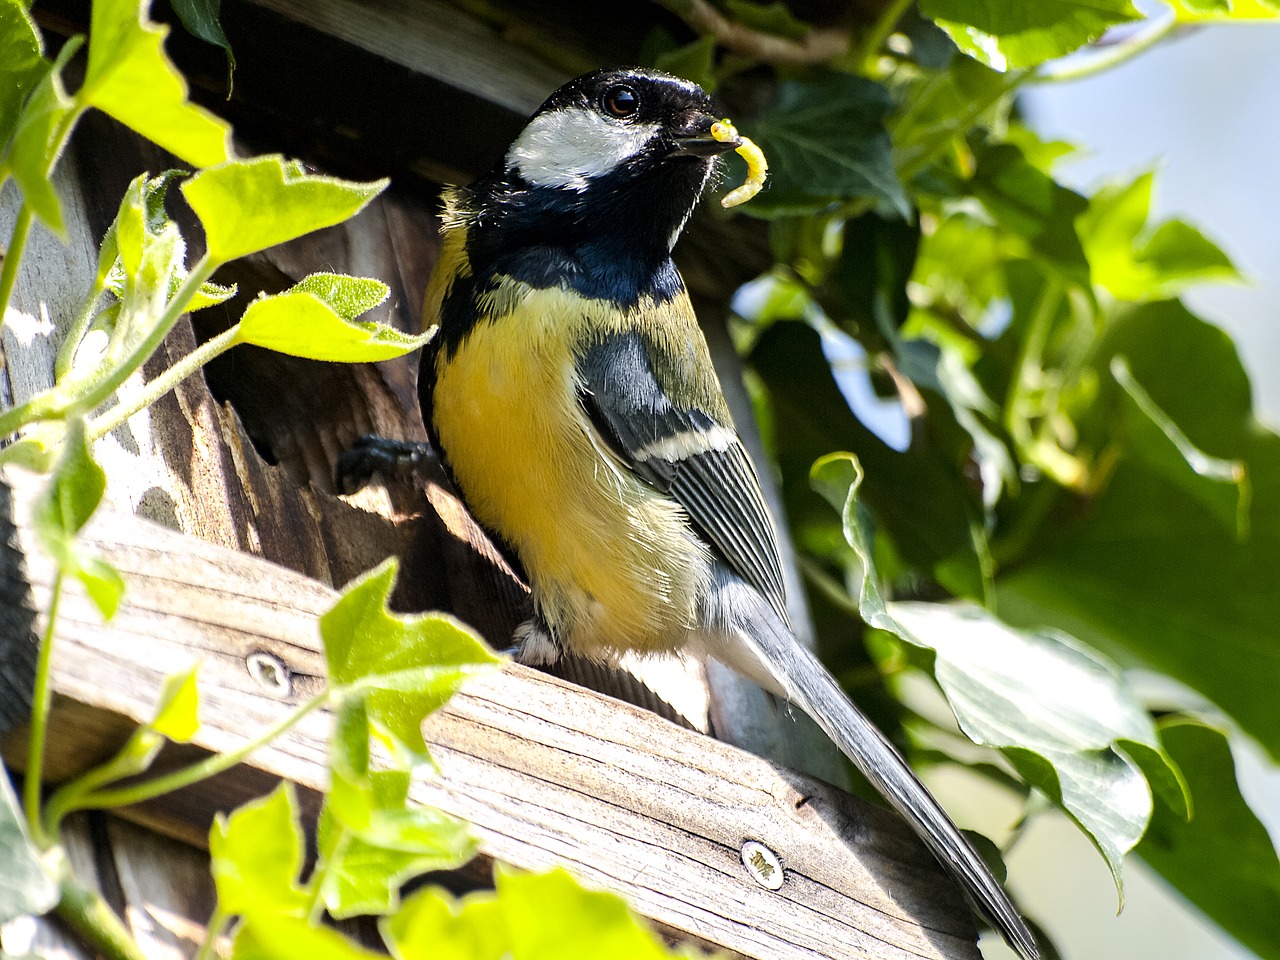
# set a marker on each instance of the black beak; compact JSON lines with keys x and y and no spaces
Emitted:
{"x":695,"y":139}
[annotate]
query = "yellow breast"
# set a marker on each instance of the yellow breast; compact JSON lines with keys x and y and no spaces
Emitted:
{"x":613,"y":563}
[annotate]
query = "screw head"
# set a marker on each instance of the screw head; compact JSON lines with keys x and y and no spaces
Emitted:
{"x":269,"y":672}
{"x":762,"y":864}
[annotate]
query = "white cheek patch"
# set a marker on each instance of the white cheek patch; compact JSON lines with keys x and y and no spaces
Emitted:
{"x":567,"y":148}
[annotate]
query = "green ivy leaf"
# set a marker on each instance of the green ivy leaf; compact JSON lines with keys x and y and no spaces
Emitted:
{"x":25,"y":888}
{"x":1201,"y":11}
{"x":1031,"y":205}
{"x":257,"y":854}
{"x":920,"y":501}
{"x":1011,"y":34}
{"x":402,"y":667}
{"x":301,"y":324}
{"x":772,"y":18}
{"x":1146,"y":574}
{"x":346,"y":296}
{"x":694,"y":61}
{"x":1223,"y":861}
{"x":395,"y":843}
{"x":129,"y":77}
{"x":177,"y":715}
{"x":73,"y":494}
{"x":176,"y":718}
{"x":1221,"y":486}
{"x":370,"y":841}
{"x":431,"y":925}
{"x":1134,"y":262}
{"x":40,"y":136}
{"x":1042,"y":693}
{"x":289,"y":938}
{"x":1063,"y":716}
{"x":200,"y":17}
{"x":825,"y":139}
{"x":210,"y":294}
{"x":21,"y":64}
{"x":545,"y":916}
{"x":249,"y":205}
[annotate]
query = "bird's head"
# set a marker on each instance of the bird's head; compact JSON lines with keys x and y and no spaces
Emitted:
{"x":621,"y":149}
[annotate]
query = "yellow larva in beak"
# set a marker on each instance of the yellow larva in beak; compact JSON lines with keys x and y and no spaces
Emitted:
{"x":757,"y":166}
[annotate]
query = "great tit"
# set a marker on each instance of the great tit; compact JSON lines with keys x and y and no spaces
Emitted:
{"x":571,"y":397}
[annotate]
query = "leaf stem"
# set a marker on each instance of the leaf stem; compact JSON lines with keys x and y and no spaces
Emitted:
{"x":185,"y":776}
{"x":75,"y":333}
{"x":213,"y":930}
{"x":1105,"y":58}
{"x":56,"y":403}
{"x":84,"y":910}
{"x":818,"y":45}
{"x":41,"y":701}
{"x":868,"y":47}
{"x":13,"y":256}
{"x":176,"y":306}
{"x":157,"y":388}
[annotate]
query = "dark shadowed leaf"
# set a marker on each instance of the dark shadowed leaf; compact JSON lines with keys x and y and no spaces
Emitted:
{"x":825,"y":137}
{"x":1223,"y":861}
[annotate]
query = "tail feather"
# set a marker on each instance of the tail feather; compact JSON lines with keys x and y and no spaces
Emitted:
{"x":798,"y":676}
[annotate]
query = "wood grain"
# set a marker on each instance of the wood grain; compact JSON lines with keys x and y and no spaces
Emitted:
{"x":547,"y":772}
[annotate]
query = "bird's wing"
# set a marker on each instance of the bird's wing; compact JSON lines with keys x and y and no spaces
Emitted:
{"x":686,"y":452}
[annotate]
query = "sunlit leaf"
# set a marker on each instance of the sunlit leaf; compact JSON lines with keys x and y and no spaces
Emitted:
{"x":301,"y":324}
{"x":403,"y":667}
{"x":41,"y":134}
{"x":21,"y":64}
{"x":346,"y":296}
{"x":73,"y":494}
{"x":1010,"y":34}
{"x":129,"y":77}
{"x":530,"y":917}
{"x":1134,"y":261}
{"x":257,"y":853}
{"x":1201,"y":11}
{"x":371,"y":840}
{"x":177,"y":710}
{"x":249,"y":205}
{"x":1063,"y":716}
{"x":278,"y":937}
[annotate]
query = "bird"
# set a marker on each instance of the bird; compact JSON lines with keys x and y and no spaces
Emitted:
{"x":569,"y":393}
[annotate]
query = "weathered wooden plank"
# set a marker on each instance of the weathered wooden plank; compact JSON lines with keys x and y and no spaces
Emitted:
{"x":548,"y":772}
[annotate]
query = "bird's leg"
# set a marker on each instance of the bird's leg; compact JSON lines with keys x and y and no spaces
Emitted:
{"x":372,"y":454}
{"x":534,"y":644}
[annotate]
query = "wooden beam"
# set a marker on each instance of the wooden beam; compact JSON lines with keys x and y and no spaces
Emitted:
{"x":547,"y":772}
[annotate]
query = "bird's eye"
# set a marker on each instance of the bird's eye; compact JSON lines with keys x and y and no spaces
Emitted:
{"x":620,"y":101}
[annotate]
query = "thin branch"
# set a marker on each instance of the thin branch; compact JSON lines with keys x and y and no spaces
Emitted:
{"x":818,"y":45}
{"x":42,"y":699}
{"x":1106,"y":57}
